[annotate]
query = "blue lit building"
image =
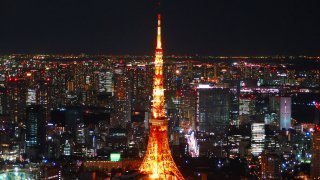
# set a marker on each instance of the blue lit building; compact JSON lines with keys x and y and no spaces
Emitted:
{"x":35,"y":131}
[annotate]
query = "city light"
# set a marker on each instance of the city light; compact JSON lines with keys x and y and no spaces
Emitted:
{"x":224,"y":102}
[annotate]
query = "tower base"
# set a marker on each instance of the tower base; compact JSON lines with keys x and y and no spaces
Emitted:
{"x":158,"y":162}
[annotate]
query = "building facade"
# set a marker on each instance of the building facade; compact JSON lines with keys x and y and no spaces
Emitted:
{"x":213,"y":109}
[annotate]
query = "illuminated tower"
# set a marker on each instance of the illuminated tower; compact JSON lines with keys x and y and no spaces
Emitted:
{"x":158,"y":162}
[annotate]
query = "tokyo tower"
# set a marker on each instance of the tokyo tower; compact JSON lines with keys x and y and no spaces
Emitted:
{"x":158,"y":162}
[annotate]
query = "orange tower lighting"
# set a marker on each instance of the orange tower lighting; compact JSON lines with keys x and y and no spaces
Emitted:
{"x":158,"y":162}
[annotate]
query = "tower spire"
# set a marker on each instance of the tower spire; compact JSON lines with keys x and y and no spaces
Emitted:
{"x":159,"y":43}
{"x":158,"y":111}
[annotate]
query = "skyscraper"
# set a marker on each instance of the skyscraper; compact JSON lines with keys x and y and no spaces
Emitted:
{"x":17,"y":97}
{"x":3,"y":101}
{"x":270,"y":166}
{"x":282,"y":106}
{"x":141,"y":87}
{"x":213,"y":109}
{"x":258,"y":138}
{"x":35,"y":130}
{"x":122,"y":103}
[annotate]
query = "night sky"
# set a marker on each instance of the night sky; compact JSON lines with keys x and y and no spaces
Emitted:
{"x":204,"y":27}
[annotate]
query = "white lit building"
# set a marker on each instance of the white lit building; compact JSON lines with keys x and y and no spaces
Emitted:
{"x":282,"y":106}
{"x":67,"y":149}
{"x":106,"y":82}
{"x":258,"y":138}
{"x":31,"y":97}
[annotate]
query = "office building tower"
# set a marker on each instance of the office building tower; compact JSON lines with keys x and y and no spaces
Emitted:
{"x":270,"y":166}
{"x":282,"y":106}
{"x":188,"y":107}
{"x":141,"y":87}
{"x":35,"y":131}
{"x":31,"y":97}
{"x":17,"y":98}
{"x":44,"y":96}
{"x":106,"y":81}
{"x":257,"y":138}
{"x":122,"y":104}
{"x":247,"y":105}
{"x":213,"y":109}
{"x":73,"y":118}
{"x":3,"y":101}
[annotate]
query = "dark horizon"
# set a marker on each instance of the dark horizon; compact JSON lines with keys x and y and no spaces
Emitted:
{"x":206,"y":27}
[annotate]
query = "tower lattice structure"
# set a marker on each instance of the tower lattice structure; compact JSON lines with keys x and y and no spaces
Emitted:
{"x":158,"y":162}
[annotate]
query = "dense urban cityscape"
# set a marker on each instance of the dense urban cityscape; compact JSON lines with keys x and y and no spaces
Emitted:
{"x":91,"y":116}
{"x":74,"y":114}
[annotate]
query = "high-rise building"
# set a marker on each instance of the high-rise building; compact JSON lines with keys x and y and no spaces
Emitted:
{"x":285,"y":112}
{"x":44,"y":96}
{"x":122,"y":103}
{"x":315,"y":161}
{"x":270,"y":166}
{"x":61,"y":78}
{"x":105,"y":81}
{"x":17,"y":97}
{"x":213,"y":109}
{"x":31,"y":97}
{"x":170,"y":74}
{"x":3,"y":101}
{"x":140,"y":86}
{"x":282,"y":106}
{"x":258,"y":138}
{"x":247,"y":105}
{"x":188,"y":107}
{"x":35,"y":131}
{"x":73,"y":118}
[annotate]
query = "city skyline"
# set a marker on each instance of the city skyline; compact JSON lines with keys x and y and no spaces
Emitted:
{"x":190,"y":27}
{"x":92,"y":116}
